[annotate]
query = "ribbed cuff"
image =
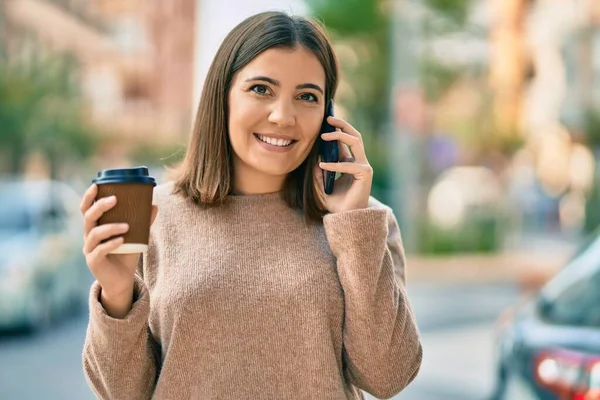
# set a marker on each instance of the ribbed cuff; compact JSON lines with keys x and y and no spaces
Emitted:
{"x":356,"y":229}
{"x":133,"y":321}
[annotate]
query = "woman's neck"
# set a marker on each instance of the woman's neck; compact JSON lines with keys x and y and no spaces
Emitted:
{"x":248,"y":181}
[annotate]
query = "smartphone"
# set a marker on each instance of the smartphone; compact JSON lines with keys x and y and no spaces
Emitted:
{"x":330,"y":151}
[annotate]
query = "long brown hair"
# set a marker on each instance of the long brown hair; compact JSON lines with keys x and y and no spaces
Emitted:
{"x":206,"y":173}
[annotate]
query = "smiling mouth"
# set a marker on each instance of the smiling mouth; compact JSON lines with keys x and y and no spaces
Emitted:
{"x":275,"y":142}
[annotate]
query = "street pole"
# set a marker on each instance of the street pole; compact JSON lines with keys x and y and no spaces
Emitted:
{"x":404,"y":154}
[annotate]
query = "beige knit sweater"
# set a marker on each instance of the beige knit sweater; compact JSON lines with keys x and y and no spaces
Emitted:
{"x":245,"y":301}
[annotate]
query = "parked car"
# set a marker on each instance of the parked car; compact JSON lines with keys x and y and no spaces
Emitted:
{"x":42,"y":270}
{"x":549,"y":348}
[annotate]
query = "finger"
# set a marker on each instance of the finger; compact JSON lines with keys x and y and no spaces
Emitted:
{"x":360,"y":171}
{"x":104,"y":249}
{"x":355,"y":144}
{"x":101,"y":233}
{"x":346,"y":154}
{"x":88,"y":198}
{"x":154,"y":213}
{"x":318,"y":181}
{"x":93,"y":214}
{"x":344,"y":126}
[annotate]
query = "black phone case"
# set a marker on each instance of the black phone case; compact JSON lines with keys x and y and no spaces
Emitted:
{"x":329,"y":151}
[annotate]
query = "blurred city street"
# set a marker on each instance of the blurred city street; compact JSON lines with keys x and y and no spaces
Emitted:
{"x":457,"y":340}
{"x":480,"y":120}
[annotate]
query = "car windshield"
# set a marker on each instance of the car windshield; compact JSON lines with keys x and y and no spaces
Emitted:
{"x":14,"y":215}
{"x":572,"y":296}
{"x":578,"y":305}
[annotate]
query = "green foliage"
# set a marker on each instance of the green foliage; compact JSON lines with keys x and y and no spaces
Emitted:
{"x":364,"y":27}
{"x":591,"y":126}
{"x":455,"y":11}
{"x":437,"y":77}
{"x":444,"y":17}
{"x":350,"y":18}
{"x":40,"y":111}
{"x":479,"y":234}
{"x":592,"y":210}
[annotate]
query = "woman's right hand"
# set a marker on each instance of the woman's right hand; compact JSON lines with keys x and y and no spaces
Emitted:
{"x":114,"y":272}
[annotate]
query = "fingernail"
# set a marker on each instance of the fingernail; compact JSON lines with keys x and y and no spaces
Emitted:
{"x":123,"y":226}
{"x":112,"y":199}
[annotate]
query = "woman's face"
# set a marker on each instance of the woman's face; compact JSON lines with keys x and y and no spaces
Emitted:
{"x":276,"y":106}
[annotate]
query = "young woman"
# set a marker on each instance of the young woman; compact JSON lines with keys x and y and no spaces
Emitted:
{"x":256,"y":284}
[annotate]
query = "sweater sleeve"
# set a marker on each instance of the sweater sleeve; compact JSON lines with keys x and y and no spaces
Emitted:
{"x":382,"y":350}
{"x":120,"y":357}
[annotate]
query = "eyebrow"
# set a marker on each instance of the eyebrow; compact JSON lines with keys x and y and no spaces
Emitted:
{"x":276,"y":83}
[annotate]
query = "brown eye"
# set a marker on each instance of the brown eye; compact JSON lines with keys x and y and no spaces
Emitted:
{"x":260,"y":89}
{"x":308,"y":97}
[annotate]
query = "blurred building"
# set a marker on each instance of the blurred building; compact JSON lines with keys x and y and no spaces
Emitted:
{"x":135,"y":59}
{"x":154,"y":43}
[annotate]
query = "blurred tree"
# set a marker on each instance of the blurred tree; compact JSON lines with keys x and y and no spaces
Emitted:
{"x":591,"y":127}
{"x":452,"y":12}
{"x":361,"y":30}
{"x":14,"y":114}
{"x":440,"y":18}
{"x":41,"y":112}
{"x":363,"y":26}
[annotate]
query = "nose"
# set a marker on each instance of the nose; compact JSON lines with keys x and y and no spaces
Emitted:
{"x":283,"y":114}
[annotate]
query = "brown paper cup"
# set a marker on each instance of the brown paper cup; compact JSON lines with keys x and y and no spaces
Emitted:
{"x":134,"y":206}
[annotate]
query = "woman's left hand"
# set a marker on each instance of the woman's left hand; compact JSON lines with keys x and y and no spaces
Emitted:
{"x":351,"y":191}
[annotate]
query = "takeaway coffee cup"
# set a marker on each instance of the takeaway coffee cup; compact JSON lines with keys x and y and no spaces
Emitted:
{"x":133,"y":188}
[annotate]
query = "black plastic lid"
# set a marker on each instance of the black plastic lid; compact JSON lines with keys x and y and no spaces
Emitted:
{"x":124,"y":175}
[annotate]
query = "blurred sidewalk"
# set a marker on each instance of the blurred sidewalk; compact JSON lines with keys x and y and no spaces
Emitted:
{"x":458,"y":364}
{"x":528,"y":264}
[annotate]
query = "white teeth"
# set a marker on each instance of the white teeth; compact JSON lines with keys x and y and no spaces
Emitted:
{"x":275,"y":142}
